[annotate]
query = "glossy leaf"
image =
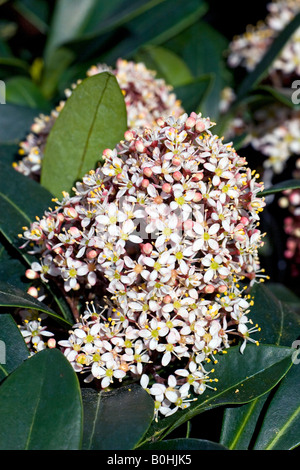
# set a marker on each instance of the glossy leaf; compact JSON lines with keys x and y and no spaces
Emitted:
{"x":23,"y":91}
{"x":281,"y":426}
{"x":280,"y":325}
{"x":202,"y":49}
{"x":40,"y":405}
{"x":21,"y":200}
{"x":13,"y":349}
{"x":15,"y":122}
{"x":77,"y":139}
{"x":116,"y":420}
{"x":167,"y":65}
{"x":184,"y":444}
{"x":279,"y":187}
{"x":164,"y":23}
{"x":241,"y":379}
{"x":10,"y":296}
{"x":68,"y":21}
{"x":193,"y":94}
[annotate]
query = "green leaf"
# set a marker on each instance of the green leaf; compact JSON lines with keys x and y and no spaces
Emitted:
{"x":281,"y":426}
{"x":17,"y":211}
{"x":184,"y":444}
{"x":280,"y":326}
{"x":164,"y":23}
{"x":22,"y":91}
{"x":262,"y":68}
{"x":193,"y":94}
{"x":13,"y":349}
{"x":239,"y":424}
{"x":68,"y":21}
{"x":168,"y":65}
{"x":202,"y":49}
{"x":116,"y":420}
{"x":11,"y":66}
{"x":21,"y":200}
{"x":40,"y":405}
{"x":241,"y":379}
{"x":15,"y":122}
{"x":93,"y":118}
{"x":11,"y":268}
{"x":279,"y":187}
{"x":10,"y":296}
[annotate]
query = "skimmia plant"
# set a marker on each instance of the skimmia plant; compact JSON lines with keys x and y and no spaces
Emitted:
{"x":133,"y":290}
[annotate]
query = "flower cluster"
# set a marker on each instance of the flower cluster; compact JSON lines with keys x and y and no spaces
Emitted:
{"x":36,"y":335}
{"x":248,"y":49}
{"x":167,"y":230}
{"x":146,"y":98}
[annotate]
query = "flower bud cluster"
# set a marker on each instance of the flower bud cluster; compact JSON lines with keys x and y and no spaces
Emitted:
{"x":167,"y":230}
{"x":248,"y":49}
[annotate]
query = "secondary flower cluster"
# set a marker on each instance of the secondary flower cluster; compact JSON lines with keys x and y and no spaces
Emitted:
{"x":248,"y":49}
{"x":146,"y":98}
{"x":166,"y":230}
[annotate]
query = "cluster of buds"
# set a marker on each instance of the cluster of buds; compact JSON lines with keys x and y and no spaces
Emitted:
{"x":248,"y":49}
{"x":168,"y":231}
{"x":146,"y":98}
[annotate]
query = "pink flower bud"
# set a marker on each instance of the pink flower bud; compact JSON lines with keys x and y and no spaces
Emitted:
{"x":244,"y":220}
{"x":188,"y":224}
{"x":31,"y":274}
{"x":91,"y":254}
{"x":148,"y":172}
{"x":222,"y":289}
{"x":167,"y":299}
{"x":33,"y":292}
{"x":145,"y":183}
{"x":200,"y":126}
{"x":197,"y":197}
{"x":209,"y":289}
{"x":51,"y":343}
{"x":177,"y":175}
{"x":147,"y":248}
{"x":139,"y":146}
{"x":190,"y":122}
{"x":128,"y":136}
{"x":167,"y":188}
{"x":176,"y":161}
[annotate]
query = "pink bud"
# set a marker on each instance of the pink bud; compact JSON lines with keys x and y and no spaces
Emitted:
{"x":128,"y":136}
{"x":244,"y":220}
{"x":160,"y":122}
{"x":51,"y":343}
{"x":139,"y":146}
{"x":107,"y":153}
{"x":200,"y":126}
{"x":148,"y":172}
{"x":167,"y":299}
{"x":167,"y":188}
{"x":147,"y":248}
{"x":31,"y":274}
{"x":33,"y":292}
{"x":145,"y":183}
{"x":91,"y":254}
{"x":177,"y":175}
{"x":188,"y":224}
{"x":176,"y":161}
{"x":222,"y":288}
{"x":197,"y":197}
{"x":190,"y":122}
{"x":209,"y":289}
